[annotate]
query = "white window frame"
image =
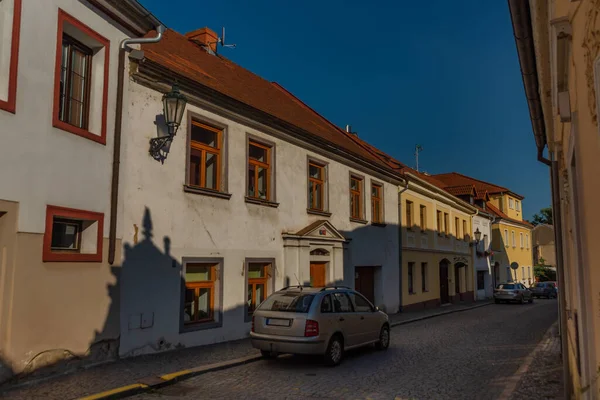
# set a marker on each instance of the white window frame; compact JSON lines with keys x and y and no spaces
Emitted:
{"x":514,"y":241}
{"x":521,"y":239}
{"x":507,"y":243}
{"x":511,"y":203}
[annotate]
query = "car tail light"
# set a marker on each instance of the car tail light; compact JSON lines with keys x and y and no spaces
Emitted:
{"x":252,"y":323}
{"x":311,"y":328}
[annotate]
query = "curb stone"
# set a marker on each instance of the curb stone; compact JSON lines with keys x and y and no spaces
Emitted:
{"x":408,"y":321}
{"x":157,"y":382}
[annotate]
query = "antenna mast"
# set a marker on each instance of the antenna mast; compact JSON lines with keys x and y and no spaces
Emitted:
{"x":418,"y":148}
{"x":221,"y":40}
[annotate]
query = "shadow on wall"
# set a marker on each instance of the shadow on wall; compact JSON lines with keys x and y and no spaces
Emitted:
{"x":103,"y":347}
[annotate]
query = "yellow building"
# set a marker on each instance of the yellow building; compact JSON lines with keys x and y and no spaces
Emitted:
{"x":437,"y":261}
{"x":511,"y":235}
{"x":559,"y":52}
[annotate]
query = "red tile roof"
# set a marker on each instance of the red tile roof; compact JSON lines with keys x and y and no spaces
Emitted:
{"x":496,"y":211}
{"x":461,"y":190}
{"x":182,"y":56}
{"x":456,"y":179}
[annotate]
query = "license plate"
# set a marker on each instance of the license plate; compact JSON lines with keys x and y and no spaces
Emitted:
{"x":278,"y":322}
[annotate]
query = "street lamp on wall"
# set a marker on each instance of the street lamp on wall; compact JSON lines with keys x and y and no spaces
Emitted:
{"x":477,"y":236}
{"x":174,"y":104}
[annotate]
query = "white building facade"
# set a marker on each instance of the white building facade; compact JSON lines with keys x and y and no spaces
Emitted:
{"x":241,"y":203}
{"x":484,"y":283}
{"x":58,"y":85}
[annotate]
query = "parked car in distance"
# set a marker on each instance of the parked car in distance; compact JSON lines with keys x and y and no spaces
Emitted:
{"x":512,"y":292}
{"x":544,"y":289}
{"x":324,"y":321}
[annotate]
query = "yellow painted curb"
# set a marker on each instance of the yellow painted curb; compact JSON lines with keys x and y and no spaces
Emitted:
{"x":116,"y":391}
{"x":168,"y":377}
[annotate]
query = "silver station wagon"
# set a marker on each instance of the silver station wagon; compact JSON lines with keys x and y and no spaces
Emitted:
{"x":324,"y":321}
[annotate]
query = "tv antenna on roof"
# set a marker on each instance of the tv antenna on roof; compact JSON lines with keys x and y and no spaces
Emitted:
{"x":418,"y":148}
{"x":221,"y":40}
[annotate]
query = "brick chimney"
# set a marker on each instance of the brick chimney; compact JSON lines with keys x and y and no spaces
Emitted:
{"x":205,"y":37}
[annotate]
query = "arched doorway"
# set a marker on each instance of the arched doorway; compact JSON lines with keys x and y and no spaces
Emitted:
{"x":444,"y":292}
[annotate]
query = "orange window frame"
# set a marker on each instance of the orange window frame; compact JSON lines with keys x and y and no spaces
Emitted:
{"x":376,"y":200}
{"x":446,"y":223}
{"x":457,"y":227}
{"x":317,"y":183}
{"x":265,"y":165}
{"x":356,"y":195}
{"x":196,"y":286}
{"x":465,"y":231}
{"x":203,"y":149}
{"x":255,"y":282}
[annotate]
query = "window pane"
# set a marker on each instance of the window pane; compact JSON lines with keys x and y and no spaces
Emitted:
{"x":211,"y":170}
{"x":341,"y":303}
{"x":203,"y":135}
{"x":376,"y":211}
{"x":326,"y":305}
{"x":257,"y":153}
{"x":256,"y":271}
{"x":78,"y":63}
{"x":251,"y":177}
{"x":204,"y":311}
{"x":190,"y":305}
{"x":260,"y":293}
{"x":262,"y":182}
{"x":65,"y":235}
{"x":75,"y":116}
{"x":311,"y":196}
{"x":251,"y":306}
{"x":314,"y":171}
{"x":288,"y":302}
{"x":77,"y":87}
{"x":318,"y":196}
{"x":360,"y":304}
{"x":195,"y":160}
{"x":354,"y":185}
{"x":198,"y":272}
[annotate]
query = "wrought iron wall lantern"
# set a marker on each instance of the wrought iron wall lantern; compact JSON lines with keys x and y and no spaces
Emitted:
{"x":174,"y":104}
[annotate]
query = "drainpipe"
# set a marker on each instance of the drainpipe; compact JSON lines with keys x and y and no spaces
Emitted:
{"x":114,"y":187}
{"x":400,"y":245}
{"x":562,"y":301}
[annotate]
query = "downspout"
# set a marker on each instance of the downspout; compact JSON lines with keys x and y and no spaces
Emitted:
{"x":400,"y":245}
{"x":562,"y":301}
{"x":114,"y":186}
{"x":474,"y":276}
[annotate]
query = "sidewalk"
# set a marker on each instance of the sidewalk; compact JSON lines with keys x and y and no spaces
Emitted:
{"x":124,"y":372}
{"x":543,"y":378}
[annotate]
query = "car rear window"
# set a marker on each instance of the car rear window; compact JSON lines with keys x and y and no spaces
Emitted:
{"x":540,"y":285}
{"x":288,"y":302}
{"x":506,"y":286}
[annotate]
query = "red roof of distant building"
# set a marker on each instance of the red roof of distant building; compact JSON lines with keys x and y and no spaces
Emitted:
{"x":456,"y":179}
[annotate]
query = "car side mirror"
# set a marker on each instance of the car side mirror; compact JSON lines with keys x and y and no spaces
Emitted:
{"x":376,"y":309}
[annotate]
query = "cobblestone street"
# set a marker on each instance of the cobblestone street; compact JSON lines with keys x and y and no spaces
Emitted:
{"x":468,"y":355}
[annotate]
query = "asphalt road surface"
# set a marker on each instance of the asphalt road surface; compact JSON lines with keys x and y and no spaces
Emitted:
{"x":466,"y":355}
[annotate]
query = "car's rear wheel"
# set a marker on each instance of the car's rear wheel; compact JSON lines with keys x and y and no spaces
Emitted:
{"x":384,"y":338}
{"x":335,"y":351}
{"x":268,"y":355}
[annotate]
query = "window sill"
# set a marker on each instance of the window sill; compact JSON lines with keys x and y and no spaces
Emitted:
{"x":200,"y":327}
{"x":318,"y":212}
{"x":206,"y":192}
{"x":359,"y":221}
{"x":379,"y":224}
{"x":71,"y":257}
{"x":412,"y":293}
{"x":79,"y":131}
{"x":253,"y":200}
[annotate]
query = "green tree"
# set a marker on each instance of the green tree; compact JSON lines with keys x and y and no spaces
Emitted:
{"x":543,"y":217}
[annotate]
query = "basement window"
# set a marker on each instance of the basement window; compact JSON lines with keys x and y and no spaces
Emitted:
{"x":72,"y":235}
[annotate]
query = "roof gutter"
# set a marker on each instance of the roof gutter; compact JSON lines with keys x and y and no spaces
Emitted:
{"x":114,"y":186}
{"x":520,"y":14}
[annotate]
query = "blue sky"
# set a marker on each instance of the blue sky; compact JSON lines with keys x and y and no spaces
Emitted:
{"x":444,"y":74}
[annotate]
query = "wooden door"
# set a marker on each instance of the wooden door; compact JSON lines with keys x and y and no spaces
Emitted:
{"x":317,"y":274}
{"x":364,"y":282}
{"x":444,"y":296}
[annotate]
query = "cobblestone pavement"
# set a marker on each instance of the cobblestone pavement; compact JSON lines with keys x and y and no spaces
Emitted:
{"x":127,"y":371}
{"x":468,"y":355}
{"x":543,"y":380}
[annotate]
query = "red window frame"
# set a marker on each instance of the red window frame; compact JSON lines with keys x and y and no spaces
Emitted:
{"x":56,"y":122}
{"x":70,"y":213}
{"x":10,"y":104}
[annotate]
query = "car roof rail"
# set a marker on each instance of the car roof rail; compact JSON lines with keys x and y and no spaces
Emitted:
{"x":294,"y":286}
{"x":335,"y":287}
